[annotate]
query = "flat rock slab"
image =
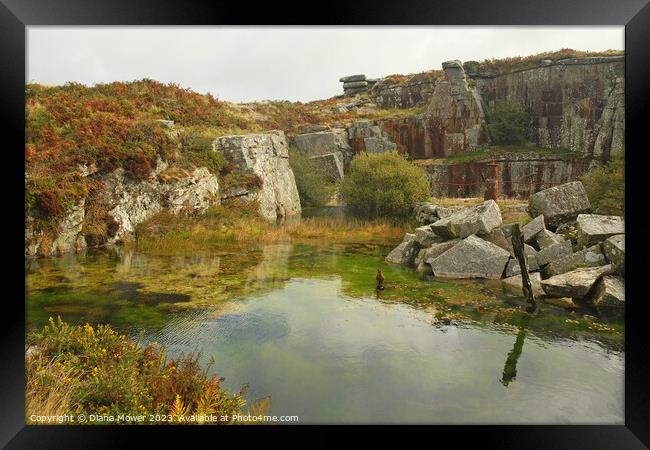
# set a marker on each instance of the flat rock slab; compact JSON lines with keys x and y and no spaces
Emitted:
{"x":609,"y":292}
{"x":560,"y":203}
{"x":594,"y":228}
{"x":472,"y":257}
{"x":587,"y":257}
{"x":479,"y":219}
{"x":554,"y":252}
{"x":575,"y":284}
{"x":497,"y":237}
{"x":350,"y":78}
{"x":614,"y":250}
{"x":431,"y":253}
{"x":515,"y":286}
{"x":546,"y":238}
{"x":533,"y":227}
{"x":405,"y":252}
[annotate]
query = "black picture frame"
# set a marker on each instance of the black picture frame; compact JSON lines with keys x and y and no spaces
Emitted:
{"x":15,"y":15}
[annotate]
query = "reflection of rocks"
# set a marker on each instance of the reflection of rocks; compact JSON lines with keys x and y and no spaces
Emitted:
{"x":273,"y":269}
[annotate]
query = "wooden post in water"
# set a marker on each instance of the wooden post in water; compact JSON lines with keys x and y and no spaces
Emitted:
{"x":520,"y":254}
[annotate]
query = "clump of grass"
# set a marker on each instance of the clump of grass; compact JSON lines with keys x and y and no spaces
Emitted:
{"x":237,"y":221}
{"x":94,"y":370}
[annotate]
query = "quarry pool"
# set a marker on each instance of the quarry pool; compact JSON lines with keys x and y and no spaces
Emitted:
{"x":303,"y":324}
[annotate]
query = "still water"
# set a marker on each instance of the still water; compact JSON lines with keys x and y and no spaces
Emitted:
{"x":303,"y":324}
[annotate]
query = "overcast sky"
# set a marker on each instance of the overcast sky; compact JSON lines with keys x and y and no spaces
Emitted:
{"x":280,"y":63}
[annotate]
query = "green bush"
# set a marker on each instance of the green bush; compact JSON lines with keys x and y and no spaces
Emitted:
{"x":606,"y":187}
{"x":313,"y":186}
{"x":383,"y":185}
{"x":508,"y":123}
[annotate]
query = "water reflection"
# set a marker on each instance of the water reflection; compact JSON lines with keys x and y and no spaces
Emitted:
{"x":510,"y":368}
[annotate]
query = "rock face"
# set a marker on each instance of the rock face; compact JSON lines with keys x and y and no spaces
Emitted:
{"x":455,"y":118}
{"x":520,"y":175}
{"x":267,"y":156}
{"x":575,"y":103}
{"x":131,"y":202}
{"x":425,"y":237}
{"x":614,"y":249}
{"x":366,"y":136}
{"x":574,"y":284}
{"x":480,"y":219}
{"x":332,"y":143}
{"x":415,"y":91}
{"x":560,"y":203}
{"x":405,"y":252}
{"x":609,"y":292}
{"x":594,"y":228}
{"x":587,"y":257}
{"x":472,"y":257}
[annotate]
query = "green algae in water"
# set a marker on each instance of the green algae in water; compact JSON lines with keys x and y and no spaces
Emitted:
{"x":305,"y":325}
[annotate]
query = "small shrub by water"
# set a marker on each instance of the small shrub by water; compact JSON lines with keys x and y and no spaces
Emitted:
{"x":606,"y":187}
{"x":383,"y":185}
{"x":95,"y":370}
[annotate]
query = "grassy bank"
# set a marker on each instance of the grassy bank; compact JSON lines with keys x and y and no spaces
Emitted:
{"x":84,"y":370}
{"x":238,"y":222}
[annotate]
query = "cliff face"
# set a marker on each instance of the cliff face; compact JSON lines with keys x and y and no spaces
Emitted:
{"x":518,"y":177}
{"x":574,"y":103}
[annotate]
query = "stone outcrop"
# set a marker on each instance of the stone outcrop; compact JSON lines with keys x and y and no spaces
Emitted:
{"x":478,"y":219}
{"x":326,"y":148}
{"x":614,"y":250}
{"x":574,"y":284}
{"x":366,"y":136}
{"x":595,"y":228}
{"x":354,"y":84}
{"x":576,"y":103}
{"x":455,"y":118}
{"x":472,"y":257}
{"x":560,"y":203}
{"x":267,"y":156}
{"x":412,"y":92}
{"x":130,"y":202}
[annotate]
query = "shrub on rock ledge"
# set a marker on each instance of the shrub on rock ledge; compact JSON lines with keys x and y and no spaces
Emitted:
{"x":383,"y":185}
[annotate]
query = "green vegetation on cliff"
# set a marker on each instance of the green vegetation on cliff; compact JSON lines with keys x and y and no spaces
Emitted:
{"x":313,"y":186}
{"x":606,"y":187}
{"x":383,"y":185}
{"x":84,"y":370}
{"x":508,"y":124}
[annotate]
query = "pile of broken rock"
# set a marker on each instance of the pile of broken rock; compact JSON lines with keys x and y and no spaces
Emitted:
{"x":574,"y":258}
